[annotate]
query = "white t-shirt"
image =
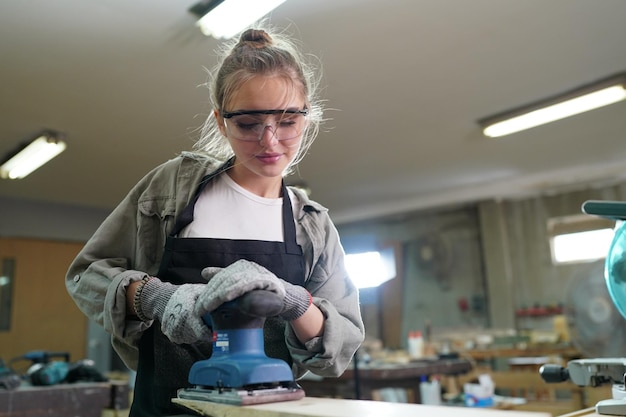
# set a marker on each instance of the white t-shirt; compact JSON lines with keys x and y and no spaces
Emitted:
{"x":225,"y":210}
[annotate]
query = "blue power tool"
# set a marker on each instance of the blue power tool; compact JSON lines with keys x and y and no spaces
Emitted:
{"x":238,"y":372}
{"x":45,"y":371}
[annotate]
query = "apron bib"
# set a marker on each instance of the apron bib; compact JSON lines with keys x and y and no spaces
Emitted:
{"x":163,"y":366}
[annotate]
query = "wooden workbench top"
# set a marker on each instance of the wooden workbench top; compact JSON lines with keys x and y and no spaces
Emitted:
{"x":587,"y":412}
{"x":85,"y":399}
{"x":330,"y":407}
{"x":411,"y":370}
{"x":566,"y":352}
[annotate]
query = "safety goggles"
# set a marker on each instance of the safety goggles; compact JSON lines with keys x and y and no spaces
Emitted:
{"x":250,"y":125}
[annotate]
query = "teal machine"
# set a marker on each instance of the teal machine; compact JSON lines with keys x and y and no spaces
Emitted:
{"x":599,"y":371}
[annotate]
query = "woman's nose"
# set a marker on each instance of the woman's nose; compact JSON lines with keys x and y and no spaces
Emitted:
{"x":268,"y":135}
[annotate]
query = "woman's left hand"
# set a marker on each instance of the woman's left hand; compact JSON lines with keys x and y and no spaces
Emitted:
{"x":244,"y":276}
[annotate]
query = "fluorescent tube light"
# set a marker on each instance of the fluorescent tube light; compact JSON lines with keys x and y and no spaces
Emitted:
{"x":37,"y":153}
{"x":224,"y":19}
{"x":590,"y":97}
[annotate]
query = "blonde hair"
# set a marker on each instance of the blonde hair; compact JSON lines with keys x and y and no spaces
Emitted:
{"x":256,"y":52}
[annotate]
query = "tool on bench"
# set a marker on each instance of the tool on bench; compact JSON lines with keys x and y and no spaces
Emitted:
{"x":239,"y":372}
{"x":607,"y":369}
{"x":43,"y":356}
{"x":45,"y":371}
{"x":593,"y":372}
{"x":8,"y":378}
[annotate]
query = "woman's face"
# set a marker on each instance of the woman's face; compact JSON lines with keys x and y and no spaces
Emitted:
{"x":269,"y":156}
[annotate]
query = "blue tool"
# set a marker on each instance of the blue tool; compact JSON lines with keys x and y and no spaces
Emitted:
{"x":45,"y":371}
{"x":238,"y":372}
{"x":8,"y":378}
{"x":51,"y":373}
{"x":43,"y":356}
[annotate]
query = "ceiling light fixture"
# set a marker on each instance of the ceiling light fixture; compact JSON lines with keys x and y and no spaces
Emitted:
{"x":223,"y":19}
{"x":42,"y":149}
{"x":589,"y":97}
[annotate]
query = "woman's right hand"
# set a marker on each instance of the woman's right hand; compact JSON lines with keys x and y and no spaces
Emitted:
{"x":174,"y":307}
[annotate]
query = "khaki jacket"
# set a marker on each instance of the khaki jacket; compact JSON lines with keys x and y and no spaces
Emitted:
{"x":128,"y":246}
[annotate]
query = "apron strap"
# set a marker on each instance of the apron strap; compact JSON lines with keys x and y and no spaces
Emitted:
{"x":289,"y":226}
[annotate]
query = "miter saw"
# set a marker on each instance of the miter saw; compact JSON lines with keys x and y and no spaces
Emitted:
{"x":599,"y":371}
{"x":238,"y":372}
{"x":593,"y":373}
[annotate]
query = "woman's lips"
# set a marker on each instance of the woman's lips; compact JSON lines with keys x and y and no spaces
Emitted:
{"x":269,"y":158}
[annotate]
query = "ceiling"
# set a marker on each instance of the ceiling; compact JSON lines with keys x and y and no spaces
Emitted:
{"x":405,"y":82}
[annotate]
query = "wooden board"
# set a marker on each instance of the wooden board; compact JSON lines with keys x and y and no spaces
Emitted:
{"x":588,"y":412}
{"x":331,"y":407}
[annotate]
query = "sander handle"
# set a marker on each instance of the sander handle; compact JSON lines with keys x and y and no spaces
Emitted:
{"x":246,"y":311}
{"x":260,"y":303}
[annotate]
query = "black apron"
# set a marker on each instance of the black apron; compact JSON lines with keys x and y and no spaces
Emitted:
{"x":163,"y":366}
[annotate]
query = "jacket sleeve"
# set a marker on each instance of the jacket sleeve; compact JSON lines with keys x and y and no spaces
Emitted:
{"x":126,"y":247}
{"x":337,"y":297}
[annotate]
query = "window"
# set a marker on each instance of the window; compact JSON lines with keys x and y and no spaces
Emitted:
{"x":370,"y":269}
{"x":6,"y":292}
{"x":579,"y":238}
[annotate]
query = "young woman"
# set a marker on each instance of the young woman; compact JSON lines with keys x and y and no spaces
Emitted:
{"x":211,"y":225}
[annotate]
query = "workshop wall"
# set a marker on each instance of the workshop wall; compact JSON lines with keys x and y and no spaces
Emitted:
{"x":21,"y":218}
{"x":32,"y":225}
{"x":474,"y":265}
{"x":518,"y":268}
{"x":42,"y":315}
{"x":442,"y":272}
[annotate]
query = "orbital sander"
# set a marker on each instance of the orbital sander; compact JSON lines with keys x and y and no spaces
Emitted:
{"x":238,"y":371}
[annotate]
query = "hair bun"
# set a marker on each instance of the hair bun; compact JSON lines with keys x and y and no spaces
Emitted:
{"x":256,"y":38}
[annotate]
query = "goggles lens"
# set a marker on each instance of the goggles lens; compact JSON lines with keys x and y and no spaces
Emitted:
{"x":250,"y":125}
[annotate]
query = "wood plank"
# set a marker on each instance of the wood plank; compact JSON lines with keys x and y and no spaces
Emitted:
{"x":331,"y":407}
{"x":588,"y":412}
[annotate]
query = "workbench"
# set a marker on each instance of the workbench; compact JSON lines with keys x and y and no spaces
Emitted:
{"x":587,"y":412}
{"x":87,"y":399}
{"x":375,"y":377}
{"x":332,"y":407}
{"x":565,"y":352}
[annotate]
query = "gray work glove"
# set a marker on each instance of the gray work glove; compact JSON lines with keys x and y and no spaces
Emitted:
{"x":226,"y":284}
{"x":173,"y":305}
